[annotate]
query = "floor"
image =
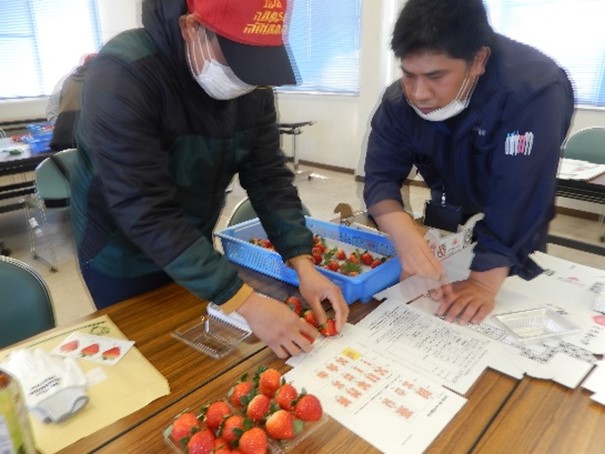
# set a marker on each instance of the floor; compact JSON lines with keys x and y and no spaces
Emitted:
{"x":320,"y":194}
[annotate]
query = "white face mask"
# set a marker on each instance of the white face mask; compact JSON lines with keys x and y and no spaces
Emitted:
{"x":218,"y":80}
{"x":453,"y":108}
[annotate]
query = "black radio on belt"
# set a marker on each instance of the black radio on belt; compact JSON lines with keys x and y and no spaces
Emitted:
{"x":442,"y":215}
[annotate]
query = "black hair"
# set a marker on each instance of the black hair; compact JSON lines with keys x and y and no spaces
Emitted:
{"x":458,"y":28}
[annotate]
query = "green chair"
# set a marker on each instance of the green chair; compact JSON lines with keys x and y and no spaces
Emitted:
{"x":26,"y":305}
{"x":587,"y":145}
{"x":243,"y":211}
{"x":52,"y":185}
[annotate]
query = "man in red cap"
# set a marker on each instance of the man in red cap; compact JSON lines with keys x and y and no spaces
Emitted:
{"x":170,"y":113}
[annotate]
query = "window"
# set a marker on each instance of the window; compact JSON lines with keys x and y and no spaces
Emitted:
{"x":43,"y":40}
{"x":571,"y":32}
{"x":324,"y":38}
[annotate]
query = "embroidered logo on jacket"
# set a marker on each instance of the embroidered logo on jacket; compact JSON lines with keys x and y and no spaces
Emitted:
{"x":518,"y":143}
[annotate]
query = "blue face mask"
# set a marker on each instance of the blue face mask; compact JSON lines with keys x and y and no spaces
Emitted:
{"x":218,"y":80}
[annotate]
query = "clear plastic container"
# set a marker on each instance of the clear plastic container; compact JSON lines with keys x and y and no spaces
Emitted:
{"x":536,"y":325}
{"x":211,"y":336}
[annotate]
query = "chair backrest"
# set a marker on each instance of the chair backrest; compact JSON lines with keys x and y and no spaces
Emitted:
{"x":243,"y":211}
{"x":26,"y":305}
{"x":586,"y":145}
{"x":52,"y":177}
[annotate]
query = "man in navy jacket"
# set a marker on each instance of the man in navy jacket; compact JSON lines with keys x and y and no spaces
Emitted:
{"x":482,"y":118}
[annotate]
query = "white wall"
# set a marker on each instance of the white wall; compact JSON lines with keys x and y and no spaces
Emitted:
{"x":338,"y":138}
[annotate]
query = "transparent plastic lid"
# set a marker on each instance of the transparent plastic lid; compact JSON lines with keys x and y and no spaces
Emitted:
{"x":536,"y":325}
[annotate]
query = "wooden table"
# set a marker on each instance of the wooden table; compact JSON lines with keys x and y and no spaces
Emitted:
{"x":501,"y":415}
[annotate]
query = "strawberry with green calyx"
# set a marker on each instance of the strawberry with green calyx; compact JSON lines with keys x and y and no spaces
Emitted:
{"x":268,"y":380}
{"x":233,"y":427}
{"x":213,"y":414}
{"x":286,"y":396}
{"x":328,"y":329}
{"x":183,"y":426}
{"x":258,"y":408}
{"x":340,"y":255}
{"x":69,"y":346}
{"x":332,"y":265}
{"x":239,"y":390}
{"x":308,"y":407}
{"x":253,"y":441}
{"x":350,"y":268}
{"x":366,"y":258}
{"x":309,"y":317}
{"x":201,"y":442}
{"x":282,"y":425}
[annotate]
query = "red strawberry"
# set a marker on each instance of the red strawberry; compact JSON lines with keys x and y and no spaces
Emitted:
{"x":295,"y":304}
{"x":308,"y":408}
{"x":281,"y":425}
{"x":253,"y":441}
{"x":285,"y":396}
{"x":221,"y":446}
{"x":268,"y":382}
{"x":232,"y":428}
{"x":366,"y":258}
{"x":317,"y":258}
{"x":183,"y":425}
{"x":201,"y":442}
{"x":91,"y":350}
{"x":309,"y":316}
{"x":328,"y":329}
{"x":354,"y":257}
{"x":332,"y":265}
{"x":238,"y":391}
{"x":69,"y":346}
{"x":258,"y":407}
{"x":376,"y":263}
{"x":215,"y":413}
{"x":112,"y":353}
{"x":340,"y":255}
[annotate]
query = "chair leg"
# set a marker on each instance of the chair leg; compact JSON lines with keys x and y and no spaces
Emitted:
{"x":601,"y":226}
{"x":40,"y":230}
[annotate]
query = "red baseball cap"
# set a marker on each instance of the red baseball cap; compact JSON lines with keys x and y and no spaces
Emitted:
{"x":251,"y":36}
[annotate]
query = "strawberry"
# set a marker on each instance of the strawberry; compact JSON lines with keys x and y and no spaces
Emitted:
{"x":366,"y":258}
{"x":214,"y":414}
{"x":309,"y":316}
{"x":281,"y":425}
{"x":239,"y":390}
{"x":328,"y":329}
{"x":232,"y":428}
{"x":183,"y":425}
{"x":112,"y":353}
{"x":317,"y":258}
{"x":221,"y":446}
{"x":201,"y":442}
{"x":308,"y":408}
{"x":295,"y":304}
{"x":253,"y":441}
{"x":285,"y":396}
{"x":69,"y":346}
{"x":91,"y":350}
{"x":340,"y":255}
{"x":354,"y":257}
{"x":258,"y":408}
{"x":268,"y":381}
{"x":333,"y":266}
{"x":376,"y":263}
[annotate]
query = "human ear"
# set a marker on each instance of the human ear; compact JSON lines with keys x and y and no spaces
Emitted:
{"x":480,"y":61}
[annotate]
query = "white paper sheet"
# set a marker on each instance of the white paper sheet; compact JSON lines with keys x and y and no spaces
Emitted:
{"x":358,"y":386}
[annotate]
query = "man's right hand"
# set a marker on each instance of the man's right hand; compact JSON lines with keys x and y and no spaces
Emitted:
{"x":274,"y":323}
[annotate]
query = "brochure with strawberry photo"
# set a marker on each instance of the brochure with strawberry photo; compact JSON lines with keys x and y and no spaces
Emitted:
{"x":98,"y":349}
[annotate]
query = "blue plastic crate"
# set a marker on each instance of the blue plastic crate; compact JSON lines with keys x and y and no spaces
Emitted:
{"x":39,"y":137}
{"x":236,"y":246}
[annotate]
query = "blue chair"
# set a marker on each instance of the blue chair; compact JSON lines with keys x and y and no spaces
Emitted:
{"x":587,"y":144}
{"x":52,"y":185}
{"x":26,"y":305}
